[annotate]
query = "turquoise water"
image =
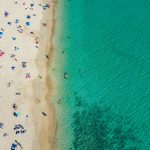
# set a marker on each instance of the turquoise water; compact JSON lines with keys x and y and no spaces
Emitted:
{"x":104,"y":46}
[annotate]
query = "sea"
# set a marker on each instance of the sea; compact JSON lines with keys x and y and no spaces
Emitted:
{"x":102,"y":70}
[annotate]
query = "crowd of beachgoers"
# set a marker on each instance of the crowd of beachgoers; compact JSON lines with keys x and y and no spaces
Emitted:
{"x":19,"y":45}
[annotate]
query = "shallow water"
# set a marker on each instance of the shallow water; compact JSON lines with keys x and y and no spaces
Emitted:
{"x":105,"y":101}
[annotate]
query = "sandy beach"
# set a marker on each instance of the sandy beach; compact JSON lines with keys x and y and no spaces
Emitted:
{"x":27,"y":116}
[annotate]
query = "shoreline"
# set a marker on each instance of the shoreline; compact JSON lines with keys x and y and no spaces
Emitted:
{"x":46,"y":130}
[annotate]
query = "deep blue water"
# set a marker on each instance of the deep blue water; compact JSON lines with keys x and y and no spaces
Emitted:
{"x":104,"y":46}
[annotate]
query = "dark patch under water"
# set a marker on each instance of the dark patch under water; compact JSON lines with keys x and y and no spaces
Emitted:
{"x":92,"y":130}
{"x":95,"y":128}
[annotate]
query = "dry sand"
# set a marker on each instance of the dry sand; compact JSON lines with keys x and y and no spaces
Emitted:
{"x":29,"y":87}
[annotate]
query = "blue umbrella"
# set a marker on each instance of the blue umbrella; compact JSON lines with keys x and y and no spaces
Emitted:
{"x":1,"y":33}
{"x":13,"y":146}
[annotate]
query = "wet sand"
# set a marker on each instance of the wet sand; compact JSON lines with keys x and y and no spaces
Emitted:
{"x":46,"y":128}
